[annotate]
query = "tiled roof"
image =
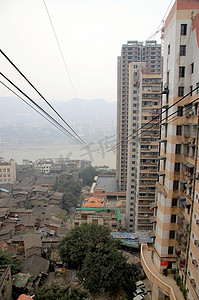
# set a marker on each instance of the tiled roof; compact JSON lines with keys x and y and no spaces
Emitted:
{"x":32,"y":240}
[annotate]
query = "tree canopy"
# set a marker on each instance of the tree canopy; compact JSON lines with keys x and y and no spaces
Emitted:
{"x":7,"y":259}
{"x":71,"y":190}
{"x":87,"y":175}
{"x":102,"y":268}
{"x":59,"y":293}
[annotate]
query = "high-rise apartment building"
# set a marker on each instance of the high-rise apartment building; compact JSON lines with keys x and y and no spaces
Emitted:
{"x":133,"y":51}
{"x":176,"y":224}
{"x":143,"y":146}
{"x":129,"y":103}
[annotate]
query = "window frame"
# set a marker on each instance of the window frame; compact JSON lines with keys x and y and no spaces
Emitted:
{"x":183,"y":29}
{"x":181,"y":71}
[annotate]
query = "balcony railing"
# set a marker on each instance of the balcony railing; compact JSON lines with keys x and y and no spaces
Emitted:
{"x":166,"y":285}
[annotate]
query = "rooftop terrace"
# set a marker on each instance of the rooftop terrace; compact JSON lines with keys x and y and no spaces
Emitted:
{"x":108,"y":182}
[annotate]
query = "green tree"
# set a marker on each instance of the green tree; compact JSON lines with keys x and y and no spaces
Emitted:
{"x":102,"y":268}
{"x":7,"y":259}
{"x":87,"y":175}
{"x":128,"y":280}
{"x":60,"y":293}
{"x":71,"y":190}
{"x":80,"y":240}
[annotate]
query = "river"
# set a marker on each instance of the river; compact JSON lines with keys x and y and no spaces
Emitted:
{"x":96,"y":153}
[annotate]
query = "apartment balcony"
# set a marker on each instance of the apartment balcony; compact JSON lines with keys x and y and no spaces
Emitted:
{"x":160,"y":188}
{"x":148,"y":184}
{"x":166,"y":284}
{"x":148,"y":171}
{"x":145,"y":215}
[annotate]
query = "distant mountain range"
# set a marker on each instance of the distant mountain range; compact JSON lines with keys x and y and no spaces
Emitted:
{"x":93,"y":119}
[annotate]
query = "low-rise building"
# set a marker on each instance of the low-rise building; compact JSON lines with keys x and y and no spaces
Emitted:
{"x":7,"y":172}
{"x":37,"y":267}
{"x":5,"y":283}
{"x":43,"y":165}
{"x":106,"y":188}
{"x":7,"y":232}
{"x":32,"y":244}
{"x":46,"y":181}
{"x":102,"y":216}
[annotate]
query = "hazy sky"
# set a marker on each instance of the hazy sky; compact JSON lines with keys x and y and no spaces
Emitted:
{"x":90,"y":32}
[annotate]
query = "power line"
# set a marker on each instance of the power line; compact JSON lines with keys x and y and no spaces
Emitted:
{"x":38,"y":106}
{"x":41,"y":96}
{"x":177,"y":117}
{"x":34,"y":108}
{"x":132,"y":134}
{"x":61,"y":52}
{"x":166,"y":109}
{"x":58,"y":44}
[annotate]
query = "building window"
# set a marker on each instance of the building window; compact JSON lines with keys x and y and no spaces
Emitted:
{"x":179,"y":130}
{"x":197,"y":91}
{"x":191,"y":90}
{"x":182,"y":50}
{"x":175,"y":185}
{"x":181,"y":71}
{"x":183,"y":29}
{"x":192,"y":67}
{"x":173,"y":218}
{"x":177,"y":168}
{"x":172,"y":234}
{"x":169,"y":49}
{"x":180,"y":111}
{"x":174,"y":202}
{"x":178,"y":149}
{"x":180,"y":91}
{"x":168,"y":78}
{"x":170,"y":250}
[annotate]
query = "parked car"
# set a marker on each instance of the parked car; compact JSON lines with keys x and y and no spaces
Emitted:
{"x":140,"y":284}
{"x":138,"y":297}
{"x":140,"y":292}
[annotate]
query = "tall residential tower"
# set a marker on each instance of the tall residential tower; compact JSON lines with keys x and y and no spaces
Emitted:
{"x":133,"y":51}
{"x":176,"y":220}
{"x":143,"y":146}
